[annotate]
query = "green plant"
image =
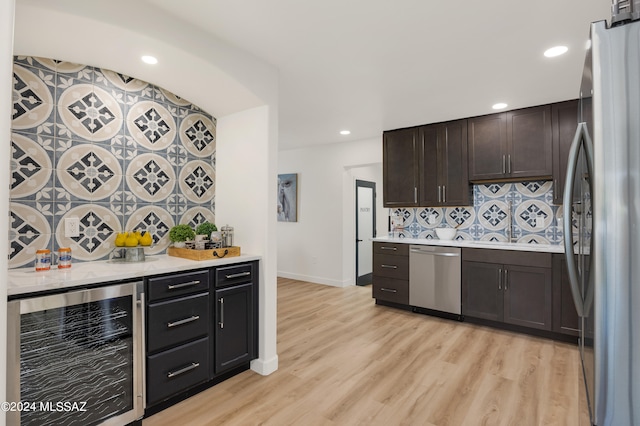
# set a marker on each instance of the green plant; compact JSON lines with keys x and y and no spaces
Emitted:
{"x":206,"y":228}
{"x":181,"y":233}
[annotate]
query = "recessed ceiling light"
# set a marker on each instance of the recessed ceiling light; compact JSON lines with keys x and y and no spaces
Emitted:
{"x":151,"y":60}
{"x":345,"y":132}
{"x":499,"y":105}
{"x":555,"y":51}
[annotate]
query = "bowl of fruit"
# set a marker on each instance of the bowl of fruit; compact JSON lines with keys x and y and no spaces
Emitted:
{"x":130,"y":246}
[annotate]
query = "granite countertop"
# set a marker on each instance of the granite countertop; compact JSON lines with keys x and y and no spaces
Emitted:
{"x":541,"y":248}
{"x":26,"y":280}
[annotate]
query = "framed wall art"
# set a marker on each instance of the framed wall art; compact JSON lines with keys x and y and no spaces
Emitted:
{"x":288,"y":197}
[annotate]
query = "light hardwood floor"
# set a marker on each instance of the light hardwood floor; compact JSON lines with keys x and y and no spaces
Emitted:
{"x":345,"y":361}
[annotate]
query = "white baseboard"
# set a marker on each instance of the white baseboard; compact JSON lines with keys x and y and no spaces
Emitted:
{"x":315,"y":280}
{"x":265,"y":367}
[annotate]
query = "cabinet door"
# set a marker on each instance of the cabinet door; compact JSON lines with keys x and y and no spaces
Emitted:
{"x":487,"y":140}
{"x":430,"y":164}
{"x":482,"y":290}
{"x":453,"y":161}
{"x":527,"y":296}
{"x":400,"y":168}
{"x":565,"y":317}
{"x":529,"y":152}
{"x":564,"y":121}
{"x":234,"y":335}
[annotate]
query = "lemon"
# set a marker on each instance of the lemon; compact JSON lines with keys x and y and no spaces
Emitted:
{"x":146,"y":239}
{"x":131,"y":241}
{"x":120,"y":239}
{"x":138,"y":235}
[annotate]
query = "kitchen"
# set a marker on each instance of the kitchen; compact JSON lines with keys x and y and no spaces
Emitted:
{"x":327,"y":259}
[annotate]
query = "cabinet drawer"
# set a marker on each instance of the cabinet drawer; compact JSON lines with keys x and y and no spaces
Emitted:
{"x":508,"y":257}
{"x":177,"y":285}
{"x":176,"y":370}
{"x":391,"y":266}
{"x":235,"y":274}
{"x":399,"y":249}
{"x":175,"y":321}
{"x":391,"y":290}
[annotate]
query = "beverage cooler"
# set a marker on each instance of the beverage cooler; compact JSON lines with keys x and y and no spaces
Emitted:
{"x":76,"y":358}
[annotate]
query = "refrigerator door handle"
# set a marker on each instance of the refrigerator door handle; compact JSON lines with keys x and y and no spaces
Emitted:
{"x":572,"y":268}
{"x":588,"y":296}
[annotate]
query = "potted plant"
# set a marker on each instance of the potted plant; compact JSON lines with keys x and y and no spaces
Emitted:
{"x":206,"y":228}
{"x":179,"y":234}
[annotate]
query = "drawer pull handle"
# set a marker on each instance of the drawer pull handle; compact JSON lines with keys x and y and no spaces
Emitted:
{"x":183,"y":285}
{"x":388,"y":248}
{"x":389,"y":266}
{"x":221,"y":322}
{"x":241,"y":274}
{"x":183,"y":321}
{"x":193,"y":365}
{"x":389,"y":290}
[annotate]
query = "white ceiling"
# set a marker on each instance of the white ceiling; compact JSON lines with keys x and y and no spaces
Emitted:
{"x":373,"y":65}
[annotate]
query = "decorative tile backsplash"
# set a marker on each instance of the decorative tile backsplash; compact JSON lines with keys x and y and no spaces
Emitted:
{"x":116,"y":152}
{"x":534,"y":218}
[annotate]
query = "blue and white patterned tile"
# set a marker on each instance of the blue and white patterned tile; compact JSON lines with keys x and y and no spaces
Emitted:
{"x":151,"y":125}
{"x":177,"y":156}
{"x":463,"y":236}
{"x":31,"y":167}
{"x":155,"y":220}
{"x":533,"y":189}
{"x":197,"y":181}
{"x":430,"y":217}
{"x":36,"y":62}
{"x":427,"y":234}
{"x":461,"y":217}
{"x":89,"y":172}
{"x":494,"y":237}
{"x":150,"y":177}
{"x":33,"y":101}
{"x":167,"y":97}
{"x":195,"y":215}
{"x":197,"y":134}
{"x":493,"y":215}
{"x":90,"y":113}
{"x":495,"y":190}
{"x":98,"y":225}
{"x":476,"y":231}
{"x":532,"y":239}
{"x":529,"y":213}
{"x":29,"y":231}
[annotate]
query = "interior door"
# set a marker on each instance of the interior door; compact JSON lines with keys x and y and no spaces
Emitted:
{"x":365,"y":230}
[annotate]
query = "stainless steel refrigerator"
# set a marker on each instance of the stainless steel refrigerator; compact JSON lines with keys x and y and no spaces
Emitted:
{"x":602,"y":212}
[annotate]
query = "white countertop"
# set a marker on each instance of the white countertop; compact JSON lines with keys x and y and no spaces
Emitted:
{"x":27,"y":280}
{"x":495,"y":245}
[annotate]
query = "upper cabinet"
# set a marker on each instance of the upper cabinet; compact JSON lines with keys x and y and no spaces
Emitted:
{"x":515,"y":145}
{"x":400,"y":158}
{"x":426,"y":166}
{"x":564,"y":119}
{"x":443,"y":164}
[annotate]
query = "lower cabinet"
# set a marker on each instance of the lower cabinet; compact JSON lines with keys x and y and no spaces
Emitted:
{"x":235,"y":328}
{"x":390,"y":279}
{"x":199,"y":324}
{"x":565,"y":316}
{"x":507,"y":286}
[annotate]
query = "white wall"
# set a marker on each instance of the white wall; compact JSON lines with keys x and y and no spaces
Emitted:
{"x":6,"y":108}
{"x":320,"y":246}
{"x":246,"y":151}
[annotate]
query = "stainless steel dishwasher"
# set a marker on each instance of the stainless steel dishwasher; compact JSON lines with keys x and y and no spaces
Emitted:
{"x":434,"y":278}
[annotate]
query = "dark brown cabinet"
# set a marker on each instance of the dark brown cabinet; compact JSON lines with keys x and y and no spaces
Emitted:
{"x":235,"y":328}
{"x":391,"y":272}
{"x":564,"y":120}
{"x":443,"y":165}
{"x":400,"y":159}
{"x":565,"y":316}
{"x":514,"y":145}
{"x":507,"y":286}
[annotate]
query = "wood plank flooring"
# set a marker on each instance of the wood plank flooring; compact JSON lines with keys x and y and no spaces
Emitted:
{"x":345,"y":361}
